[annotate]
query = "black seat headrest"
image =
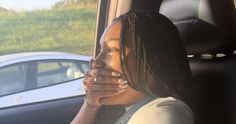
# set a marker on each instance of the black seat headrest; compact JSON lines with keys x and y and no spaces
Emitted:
{"x":198,"y":35}
{"x":196,"y":25}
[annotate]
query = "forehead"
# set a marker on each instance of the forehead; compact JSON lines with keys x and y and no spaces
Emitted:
{"x":112,"y":32}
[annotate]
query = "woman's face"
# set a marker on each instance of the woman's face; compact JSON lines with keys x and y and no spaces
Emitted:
{"x":109,"y":58}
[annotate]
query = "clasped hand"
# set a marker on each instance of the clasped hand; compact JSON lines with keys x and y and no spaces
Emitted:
{"x":101,"y":83}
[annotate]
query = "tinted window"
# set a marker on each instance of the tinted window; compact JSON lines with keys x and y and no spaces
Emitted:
{"x":12,"y":79}
{"x":59,"y":71}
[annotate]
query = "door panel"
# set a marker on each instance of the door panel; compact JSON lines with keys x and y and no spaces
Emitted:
{"x":60,"y":111}
{"x":64,"y":90}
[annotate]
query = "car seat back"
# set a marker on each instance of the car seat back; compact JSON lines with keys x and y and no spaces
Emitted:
{"x":209,"y":36}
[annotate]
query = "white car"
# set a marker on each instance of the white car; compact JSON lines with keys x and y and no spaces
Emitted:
{"x":40,"y":76}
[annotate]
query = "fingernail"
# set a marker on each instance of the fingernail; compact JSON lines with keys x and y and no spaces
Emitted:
{"x":122,"y":81}
{"x":121,"y":90}
{"x":123,"y":86}
{"x":115,"y":74}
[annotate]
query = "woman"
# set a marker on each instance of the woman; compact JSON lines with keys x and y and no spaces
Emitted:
{"x":142,"y":65}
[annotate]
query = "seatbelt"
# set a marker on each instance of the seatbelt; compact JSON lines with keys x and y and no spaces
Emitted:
{"x":127,"y":115}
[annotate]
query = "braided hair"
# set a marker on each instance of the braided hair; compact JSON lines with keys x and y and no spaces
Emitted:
{"x":157,"y":50}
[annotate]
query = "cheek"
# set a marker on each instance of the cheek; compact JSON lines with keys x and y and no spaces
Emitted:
{"x":114,"y":63}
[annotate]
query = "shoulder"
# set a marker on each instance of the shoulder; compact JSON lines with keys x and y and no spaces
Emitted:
{"x":167,"y":110}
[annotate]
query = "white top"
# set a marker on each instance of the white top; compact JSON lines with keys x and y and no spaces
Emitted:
{"x":167,"y":110}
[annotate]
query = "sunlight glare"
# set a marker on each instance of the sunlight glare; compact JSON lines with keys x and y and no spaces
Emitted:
{"x":27,"y":5}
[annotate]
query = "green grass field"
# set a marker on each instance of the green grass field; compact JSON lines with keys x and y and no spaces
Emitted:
{"x":69,"y":29}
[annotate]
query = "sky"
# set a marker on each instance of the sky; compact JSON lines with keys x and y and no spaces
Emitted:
{"x":27,"y":5}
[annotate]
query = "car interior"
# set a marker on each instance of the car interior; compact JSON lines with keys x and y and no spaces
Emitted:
{"x":208,"y":30}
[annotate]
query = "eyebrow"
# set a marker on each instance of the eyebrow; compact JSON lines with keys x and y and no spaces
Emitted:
{"x":112,"y":39}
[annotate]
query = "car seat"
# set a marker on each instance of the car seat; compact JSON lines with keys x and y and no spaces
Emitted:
{"x":208,"y":29}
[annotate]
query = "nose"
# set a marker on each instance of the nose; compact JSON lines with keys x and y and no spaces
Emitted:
{"x":99,"y":61}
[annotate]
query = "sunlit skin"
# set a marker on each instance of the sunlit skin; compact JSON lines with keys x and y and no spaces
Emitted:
{"x":110,"y":88}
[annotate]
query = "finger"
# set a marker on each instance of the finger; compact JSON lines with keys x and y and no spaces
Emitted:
{"x":109,"y":80}
{"x":91,"y":63}
{"x":101,"y":94}
{"x":104,"y":80}
{"x":89,"y":80}
{"x":107,"y":87}
{"x":103,"y":72}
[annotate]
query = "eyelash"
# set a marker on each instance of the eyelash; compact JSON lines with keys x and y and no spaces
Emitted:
{"x":113,"y":50}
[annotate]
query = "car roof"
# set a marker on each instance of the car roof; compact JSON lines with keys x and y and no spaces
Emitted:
{"x":32,"y":56}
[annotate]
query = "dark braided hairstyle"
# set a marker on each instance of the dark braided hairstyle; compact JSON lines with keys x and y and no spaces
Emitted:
{"x":156,"y":51}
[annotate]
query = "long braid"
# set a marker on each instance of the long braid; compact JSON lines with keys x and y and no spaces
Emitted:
{"x":140,"y":61}
{"x":141,"y":32}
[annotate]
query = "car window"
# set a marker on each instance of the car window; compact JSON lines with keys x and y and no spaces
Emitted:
{"x":59,"y":71}
{"x":52,"y":25}
{"x":45,"y":27}
{"x":84,"y":66}
{"x":12,"y":79}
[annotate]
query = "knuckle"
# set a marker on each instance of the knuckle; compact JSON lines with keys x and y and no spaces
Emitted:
{"x":85,"y":81}
{"x":91,"y":61}
{"x":114,"y":80}
{"x":107,"y":79}
{"x":100,"y":79}
{"x":87,"y":73}
{"x":94,"y":72}
{"x":105,"y":72}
